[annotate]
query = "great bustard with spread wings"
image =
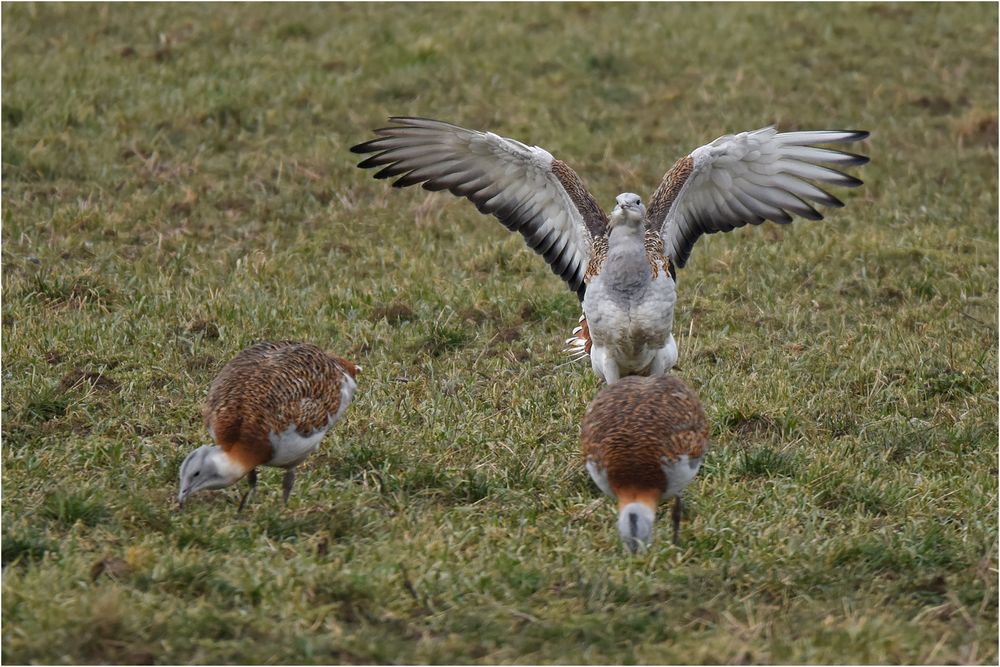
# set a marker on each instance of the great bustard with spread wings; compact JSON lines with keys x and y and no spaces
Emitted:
{"x":622,"y":266}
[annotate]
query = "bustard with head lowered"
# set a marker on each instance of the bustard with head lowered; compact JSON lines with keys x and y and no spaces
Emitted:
{"x":270,"y":406}
{"x":643,"y":440}
{"x":622,"y":266}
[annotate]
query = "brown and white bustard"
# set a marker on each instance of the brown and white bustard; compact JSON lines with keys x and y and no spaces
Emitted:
{"x":270,"y":406}
{"x":643,"y":440}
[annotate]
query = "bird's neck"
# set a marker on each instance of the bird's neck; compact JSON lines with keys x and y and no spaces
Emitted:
{"x":233,"y":464}
{"x":627,"y":232}
{"x":644,"y":496}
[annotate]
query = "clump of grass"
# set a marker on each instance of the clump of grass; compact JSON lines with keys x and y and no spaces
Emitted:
{"x":351,"y":593}
{"x":77,"y":379}
{"x":898,"y":554}
{"x":978,"y":126}
{"x":293,"y":31}
{"x":765,"y":462}
{"x":59,"y":290}
{"x":841,"y":494}
{"x":441,"y":340}
{"x":24,"y":549}
{"x":751,"y":427}
{"x":12,"y":115}
{"x":333,"y":521}
{"x":70,"y":507}
{"x":206,"y":328}
{"x":944,"y":380}
{"x":394,"y":313}
{"x":46,"y":403}
{"x":472,"y":487}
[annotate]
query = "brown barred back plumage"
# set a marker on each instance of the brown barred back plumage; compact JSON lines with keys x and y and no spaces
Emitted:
{"x":653,"y":243}
{"x":268,"y":387}
{"x":667,"y":191}
{"x":593,"y":215}
{"x":638,"y":421}
{"x":598,"y":256}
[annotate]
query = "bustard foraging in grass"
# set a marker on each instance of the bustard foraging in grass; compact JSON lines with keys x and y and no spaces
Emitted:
{"x":622,"y":267}
{"x":271,"y":405}
{"x":643,"y":439}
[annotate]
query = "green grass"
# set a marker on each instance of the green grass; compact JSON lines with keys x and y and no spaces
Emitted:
{"x":176,"y":185}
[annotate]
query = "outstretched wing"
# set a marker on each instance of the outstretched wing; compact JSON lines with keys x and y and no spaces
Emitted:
{"x":527,"y":189}
{"x":747,"y":178}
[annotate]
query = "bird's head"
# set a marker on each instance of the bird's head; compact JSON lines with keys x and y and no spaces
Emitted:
{"x":635,"y":525}
{"x":206,"y":468}
{"x":628,"y":210}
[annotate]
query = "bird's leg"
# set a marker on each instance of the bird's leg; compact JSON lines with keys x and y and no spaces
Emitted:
{"x":287,"y":483}
{"x":658,"y":367}
{"x":611,"y":372}
{"x":676,"y":517}
{"x":665,"y":358}
{"x":602,"y":364}
{"x":252,"y":481}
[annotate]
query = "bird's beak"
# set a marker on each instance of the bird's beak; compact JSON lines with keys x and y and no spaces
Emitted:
{"x":357,"y":369}
{"x":181,"y":497}
{"x":635,"y":546}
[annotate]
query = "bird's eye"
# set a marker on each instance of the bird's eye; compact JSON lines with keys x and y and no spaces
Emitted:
{"x":196,"y":473}
{"x":638,"y":201}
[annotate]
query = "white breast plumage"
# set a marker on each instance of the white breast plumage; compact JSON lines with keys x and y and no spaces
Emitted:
{"x":679,"y":474}
{"x":290,"y":448}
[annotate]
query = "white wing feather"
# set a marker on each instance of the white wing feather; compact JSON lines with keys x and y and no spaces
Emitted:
{"x":527,"y":189}
{"x":747,"y":178}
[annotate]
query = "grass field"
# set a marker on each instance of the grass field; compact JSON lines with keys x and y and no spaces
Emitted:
{"x":177,"y":185}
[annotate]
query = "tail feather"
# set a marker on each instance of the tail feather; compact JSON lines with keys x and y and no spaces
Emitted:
{"x":579,"y":344}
